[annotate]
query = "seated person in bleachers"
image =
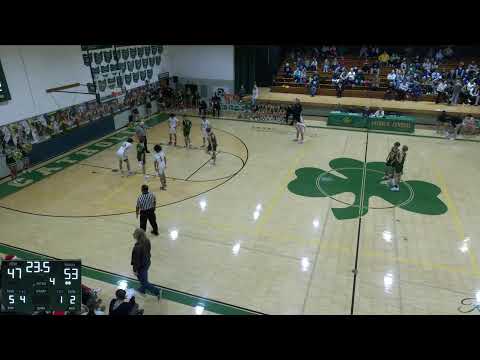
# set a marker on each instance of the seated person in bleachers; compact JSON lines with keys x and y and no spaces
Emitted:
{"x":326,"y":65}
{"x":375,"y":67}
{"x":351,"y":76}
{"x":314,"y":65}
{"x":366,"y":66}
{"x":359,"y":77}
{"x":391,"y":77}
{"x":384,"y":58}
{"x":287,"y":70}
{"x":297,"y":76}
{"x":313,"y":87}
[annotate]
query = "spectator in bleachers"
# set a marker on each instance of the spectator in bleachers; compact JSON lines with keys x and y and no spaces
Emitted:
{"x":297,"y":76}
{"x":384,"y":58}
{"x":439,"y":56}
{"x":120,"y":306}
{"x":313,"y":87}
{"x":441,"y":91}
{"x":314,"y":65}
{"x":363,"y":51}
{"x":456,"y":91}
{"x":287,"y":70}
{"x":326,"y":65}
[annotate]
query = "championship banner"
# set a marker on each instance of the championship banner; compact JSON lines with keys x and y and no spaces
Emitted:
{"x":154,"y":49}
{"x":151,"y":61}
{"x":125,"y":54}
{"x":145,"y":62}
{"x":119,"y":81}
{"x":117,"y":55}
{"x":133,"y":53}
{"x":96,"y":70}
{"x":149,"y":73}
{"x":98,"y":57}
{"x":138,"y":64}
{"x":158,"y":59}
{"x":143,"y":75}
{"x":160,"y":49}
{"x":113,"y":67}
{"x":147,"y":50}
{"x":135,"y":77}
{"x":87,"y":59}
{"x":122,"y":66}
{"x":128,"y":79}
{"x":130,"y":65}
{"x":107,"y":55}
{"x":140,"y":51}
{"x":112,"y":84}
{"x":102,"y":85}
{"x":105,"y":69}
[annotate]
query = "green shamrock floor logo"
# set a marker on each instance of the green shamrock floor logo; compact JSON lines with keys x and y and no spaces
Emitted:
{"x":416,"y":196}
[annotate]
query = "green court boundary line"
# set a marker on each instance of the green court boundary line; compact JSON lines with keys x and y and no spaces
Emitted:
{"x":74,"y":156}
{"x":108,"y":277}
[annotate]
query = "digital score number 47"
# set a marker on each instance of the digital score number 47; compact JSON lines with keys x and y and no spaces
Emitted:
{"x":32,"y":267}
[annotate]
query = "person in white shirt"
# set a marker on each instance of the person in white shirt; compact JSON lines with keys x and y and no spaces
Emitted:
{"x":439,"y":55}
{"x":379,"y":113}
{"x":300,"y":126}
{"x":441,"y":87}
{"x":160,"y":164}
{"x":204,"y":124}
{"x":313,"y":65}
{"x":255,"y":93}
{"x":122,"y":155}
{"x":172,"y":129}
{"x":391,"y":77}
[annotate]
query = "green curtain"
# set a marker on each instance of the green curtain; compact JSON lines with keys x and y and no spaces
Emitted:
{"x":244,"y":66}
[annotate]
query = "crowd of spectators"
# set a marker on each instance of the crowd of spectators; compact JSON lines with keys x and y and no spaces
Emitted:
{"x":412,"y":74}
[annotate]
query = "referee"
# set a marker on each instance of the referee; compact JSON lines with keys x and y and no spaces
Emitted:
{"x":146,"y":203}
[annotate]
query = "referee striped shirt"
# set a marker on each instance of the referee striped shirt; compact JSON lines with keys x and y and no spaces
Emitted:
{"x":146,"y":201}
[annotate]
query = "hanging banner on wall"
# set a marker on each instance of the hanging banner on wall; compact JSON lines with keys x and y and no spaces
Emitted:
{"x":128,"y":79}
{"x":135,"y":77}
{"x":158,"y":59}
{"x":160,"y":49}
{"x":149,"y":73}
{"x":125,"y":54}
{"x":112,"y":84}
{"x":105,"y":69}
{"x":151,"y":61}
{"x":98,"y":57}
{"x":102,"y":85}
{"x":130,"y":65}
{"x":143,"y":75}
{"x":147,"y":50}
{"x":154,"y":49}
{"x":119,"y":81}
{"x":96,"y":70}
{"x":107,"y":55}
{"x":138,"y":64}
{"x":133,"y":53}
{"x":117,"y":55}
{"x":140,"y":51}
{"x":87,"y":59}
{"x":145,"y":62}
{"x":113,"y":67}
{"x":122,"y":66}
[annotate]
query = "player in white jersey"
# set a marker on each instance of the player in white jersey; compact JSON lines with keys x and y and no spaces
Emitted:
{"x":160,"y":164}
{"x":172,"y":128}
{"x":204,"y":125}
{"x":122,"y":154}
{"x":300,"y":126}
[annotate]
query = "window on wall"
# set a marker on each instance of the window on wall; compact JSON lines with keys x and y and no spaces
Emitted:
{"x":4,"y":92}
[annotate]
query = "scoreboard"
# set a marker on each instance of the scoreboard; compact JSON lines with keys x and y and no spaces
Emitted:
{"x":41,"y":285}
{"x":4,"y":92}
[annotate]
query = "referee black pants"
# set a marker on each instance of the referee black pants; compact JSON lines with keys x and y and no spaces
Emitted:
{"x":150,"y":216}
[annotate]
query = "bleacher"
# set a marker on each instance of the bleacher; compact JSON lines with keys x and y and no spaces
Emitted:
{"x":285,"y":84}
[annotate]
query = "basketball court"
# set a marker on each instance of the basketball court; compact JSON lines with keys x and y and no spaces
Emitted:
{"x":274,"y":227}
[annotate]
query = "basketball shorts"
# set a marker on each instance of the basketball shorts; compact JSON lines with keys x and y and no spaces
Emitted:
{"x":212,"y":147}
{"x":173,"y":130}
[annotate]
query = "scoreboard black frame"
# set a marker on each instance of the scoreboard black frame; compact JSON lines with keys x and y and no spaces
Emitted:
{"x":33,"y":286}
{"x":4,"y":91}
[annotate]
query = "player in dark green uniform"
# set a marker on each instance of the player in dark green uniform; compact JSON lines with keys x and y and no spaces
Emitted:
{"x":398,"y":168}
{"x":187,"y":126}
{"x":141,"y":157}
{"x":389,"y":161}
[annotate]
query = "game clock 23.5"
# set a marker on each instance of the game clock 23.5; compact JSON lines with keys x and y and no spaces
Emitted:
{"x":31,"y":286}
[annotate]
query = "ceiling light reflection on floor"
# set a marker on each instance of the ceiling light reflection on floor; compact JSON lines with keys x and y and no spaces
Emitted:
{"x":387,"y":236}
{"x":316,"y":223}
{"x":203,"y":204}
{"x":236,"y":248}
{"x":174,"y":234}
{"x":199,"y":309}
{"x":305,"y":264}
{"x":256,"y":214}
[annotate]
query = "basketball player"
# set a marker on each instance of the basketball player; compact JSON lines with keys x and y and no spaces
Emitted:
{"x":212,"y":144}
{"x":300,"y":126}
{"x":172,"y":124}
{"x":187,"y":126}
{"x":398,"y":168}
{"x":122,"y":154}
{"x":141,"y":157}
{"x":203,"y":127}
{"x":160,"y":165}
{"x":389,"y":161}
